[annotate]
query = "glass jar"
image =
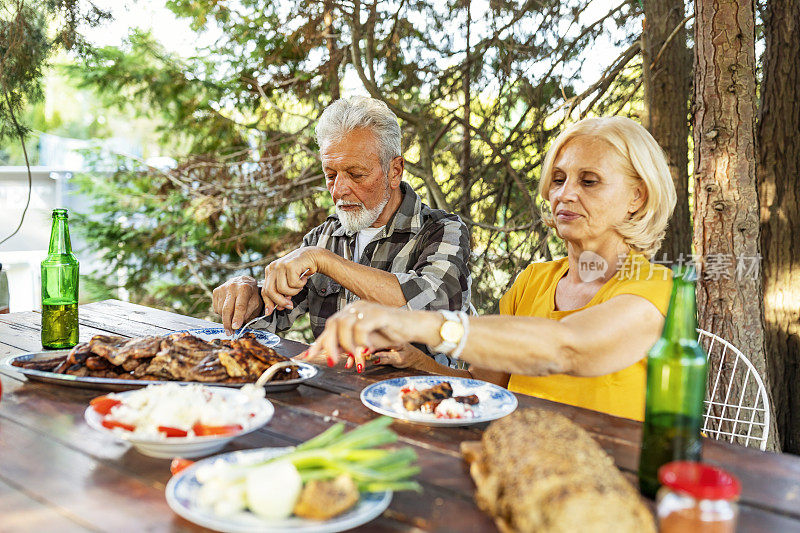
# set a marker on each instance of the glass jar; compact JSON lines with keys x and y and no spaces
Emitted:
{"x":696,"y":498}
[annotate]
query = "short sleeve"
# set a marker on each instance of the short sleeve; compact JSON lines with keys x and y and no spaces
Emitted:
{"x":655,"y":290}
{"x":510,"y":300}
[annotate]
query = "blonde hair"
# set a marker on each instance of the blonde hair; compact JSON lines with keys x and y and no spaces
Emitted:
{"x":644,"y":160}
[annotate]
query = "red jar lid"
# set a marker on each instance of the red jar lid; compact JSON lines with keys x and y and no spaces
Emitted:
{"x":699,"y":480}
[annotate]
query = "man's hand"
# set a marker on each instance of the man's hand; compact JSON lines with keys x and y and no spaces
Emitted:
{"x":288,"y":275}
{"x":237,"y":301}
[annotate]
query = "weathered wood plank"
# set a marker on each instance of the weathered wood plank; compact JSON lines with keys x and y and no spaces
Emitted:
{"x":21,"y":513}
{"x":78,"y":484}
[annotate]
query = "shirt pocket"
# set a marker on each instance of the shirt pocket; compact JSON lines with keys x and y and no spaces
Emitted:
{"x":323,"y":286}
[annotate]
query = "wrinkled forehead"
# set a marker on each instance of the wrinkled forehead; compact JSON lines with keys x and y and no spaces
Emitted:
{"x":356,"y":147}
{"x":583,"y":149}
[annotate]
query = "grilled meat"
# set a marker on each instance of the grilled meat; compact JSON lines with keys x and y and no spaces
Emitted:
{"x":185,"y":357}
{"x":138,"y":348}
{"x":45,"y":365}
{"x":246,"y":357}
{"x":180,"y":356}
{"x":472,"y":399}
{"x":413,"y":400}
{"x":106,"y":346}
{"x":98,"y":363}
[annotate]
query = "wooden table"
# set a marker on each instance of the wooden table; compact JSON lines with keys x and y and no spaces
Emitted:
{"x":57,"y":474}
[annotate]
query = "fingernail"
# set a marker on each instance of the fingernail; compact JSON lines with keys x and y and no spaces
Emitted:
{"x":236,"y":325}
{"x":377,"y":361}
{"x":364,"y":351}
{"x":359,"y":368}
{"x":303,"y":355}
{"x":330,"y":361}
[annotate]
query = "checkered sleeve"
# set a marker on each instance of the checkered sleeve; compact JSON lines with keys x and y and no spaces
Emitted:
{"x":440,"y":278}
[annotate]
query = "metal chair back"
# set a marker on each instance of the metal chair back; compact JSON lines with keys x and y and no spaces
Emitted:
{"x":736,"y":406}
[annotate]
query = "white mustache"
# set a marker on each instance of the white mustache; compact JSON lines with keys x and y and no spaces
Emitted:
{"x":342,"y":203}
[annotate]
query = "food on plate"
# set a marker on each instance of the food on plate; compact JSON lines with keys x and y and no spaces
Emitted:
{"x":172,"y":410}
{"x":176,"y":357}
{"x":438,"y":401}
{"x":319,"y":479}
{"x":322,"y":499}
{"x":537,"y":471}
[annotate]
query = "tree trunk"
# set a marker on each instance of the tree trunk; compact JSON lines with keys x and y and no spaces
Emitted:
{"x":466,"y":144}
{"x":779,"y":188}
{"x":333,"y":52}
{"x":666,"y":71}
{"x":726,"y":208}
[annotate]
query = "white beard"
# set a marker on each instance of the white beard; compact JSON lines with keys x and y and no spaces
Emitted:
{"x":355,"y":221}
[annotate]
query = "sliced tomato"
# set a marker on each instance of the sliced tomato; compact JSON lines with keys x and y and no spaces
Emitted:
{"x":104,"y":404}
{"x":202,"y":430}
{"x":179,"y":464}
{"x":172,"y":432}
{"x":111,"y":424}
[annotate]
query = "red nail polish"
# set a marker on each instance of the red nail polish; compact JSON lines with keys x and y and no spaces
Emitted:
{"x":359,"y":368}
{"x":365,"y":351}
{"x":330,"y":361}
{"x":377,"y":361}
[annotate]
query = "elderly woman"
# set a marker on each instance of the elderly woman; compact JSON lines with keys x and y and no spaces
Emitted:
{"x":575,"y":330}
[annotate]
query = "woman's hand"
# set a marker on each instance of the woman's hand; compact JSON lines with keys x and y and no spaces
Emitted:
{"x":360,"y":328}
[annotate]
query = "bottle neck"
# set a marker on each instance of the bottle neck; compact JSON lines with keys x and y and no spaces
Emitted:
{"x":59,"y":237}
{"x":681,"y":322}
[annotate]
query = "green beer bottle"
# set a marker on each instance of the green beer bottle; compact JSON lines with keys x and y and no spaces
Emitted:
{"x":676,"y":385}
{"x":59,"y":288}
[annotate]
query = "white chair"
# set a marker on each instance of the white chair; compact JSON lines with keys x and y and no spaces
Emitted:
{"x":727,"y":417}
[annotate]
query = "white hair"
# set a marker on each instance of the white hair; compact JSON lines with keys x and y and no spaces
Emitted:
{"x":643,"y":161}
{"x":348,"y":114}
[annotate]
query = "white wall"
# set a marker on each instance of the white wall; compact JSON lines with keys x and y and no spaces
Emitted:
{"x":22,"y":254}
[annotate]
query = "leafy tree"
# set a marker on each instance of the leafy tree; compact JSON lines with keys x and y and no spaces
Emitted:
{"x":479,"y":96}
{"x":30,"y":33}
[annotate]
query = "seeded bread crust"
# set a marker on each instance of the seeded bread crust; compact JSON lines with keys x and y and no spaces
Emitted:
{"x":537,"y":471}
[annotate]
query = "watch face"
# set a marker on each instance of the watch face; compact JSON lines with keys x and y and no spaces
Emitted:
{"x":451,"y":332}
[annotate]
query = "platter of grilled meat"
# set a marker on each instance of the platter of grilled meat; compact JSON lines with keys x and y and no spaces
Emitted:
{"x":118,"y":363}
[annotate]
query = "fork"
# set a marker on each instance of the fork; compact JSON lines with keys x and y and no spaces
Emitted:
{"x":239,"y":333}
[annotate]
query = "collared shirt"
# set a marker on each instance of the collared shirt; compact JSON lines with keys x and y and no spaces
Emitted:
{"x":426,"y":249}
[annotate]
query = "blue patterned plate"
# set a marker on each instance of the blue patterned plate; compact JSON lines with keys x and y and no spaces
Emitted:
{"x":207,"y":334}
{"x":182,"y":494}
{"x":384,"y":397}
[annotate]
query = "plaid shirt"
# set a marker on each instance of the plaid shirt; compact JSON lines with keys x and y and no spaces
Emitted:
{"x":427,"y":249}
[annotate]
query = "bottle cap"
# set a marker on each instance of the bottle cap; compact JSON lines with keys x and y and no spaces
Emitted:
{"x":699,"y":480}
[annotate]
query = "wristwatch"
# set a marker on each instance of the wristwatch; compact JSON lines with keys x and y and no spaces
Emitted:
{"x":451,"y":331}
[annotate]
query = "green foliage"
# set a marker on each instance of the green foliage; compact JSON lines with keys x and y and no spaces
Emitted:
{"x":239,"y":118}
{"x":30,"y":33}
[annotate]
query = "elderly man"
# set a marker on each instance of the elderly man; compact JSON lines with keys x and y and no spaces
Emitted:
{"x":383,"y":244}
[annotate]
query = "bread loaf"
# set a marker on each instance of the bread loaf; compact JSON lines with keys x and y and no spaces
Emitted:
{"x":537,"y":471}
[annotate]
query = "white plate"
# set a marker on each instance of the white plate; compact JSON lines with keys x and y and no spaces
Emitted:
{"x":182,"y":491}
{"x":384,"y":397}
{"x":208,"y":334}
{"x":170,"y":447}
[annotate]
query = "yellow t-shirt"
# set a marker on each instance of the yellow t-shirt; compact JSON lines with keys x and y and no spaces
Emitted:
{"x":621,"y":393}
